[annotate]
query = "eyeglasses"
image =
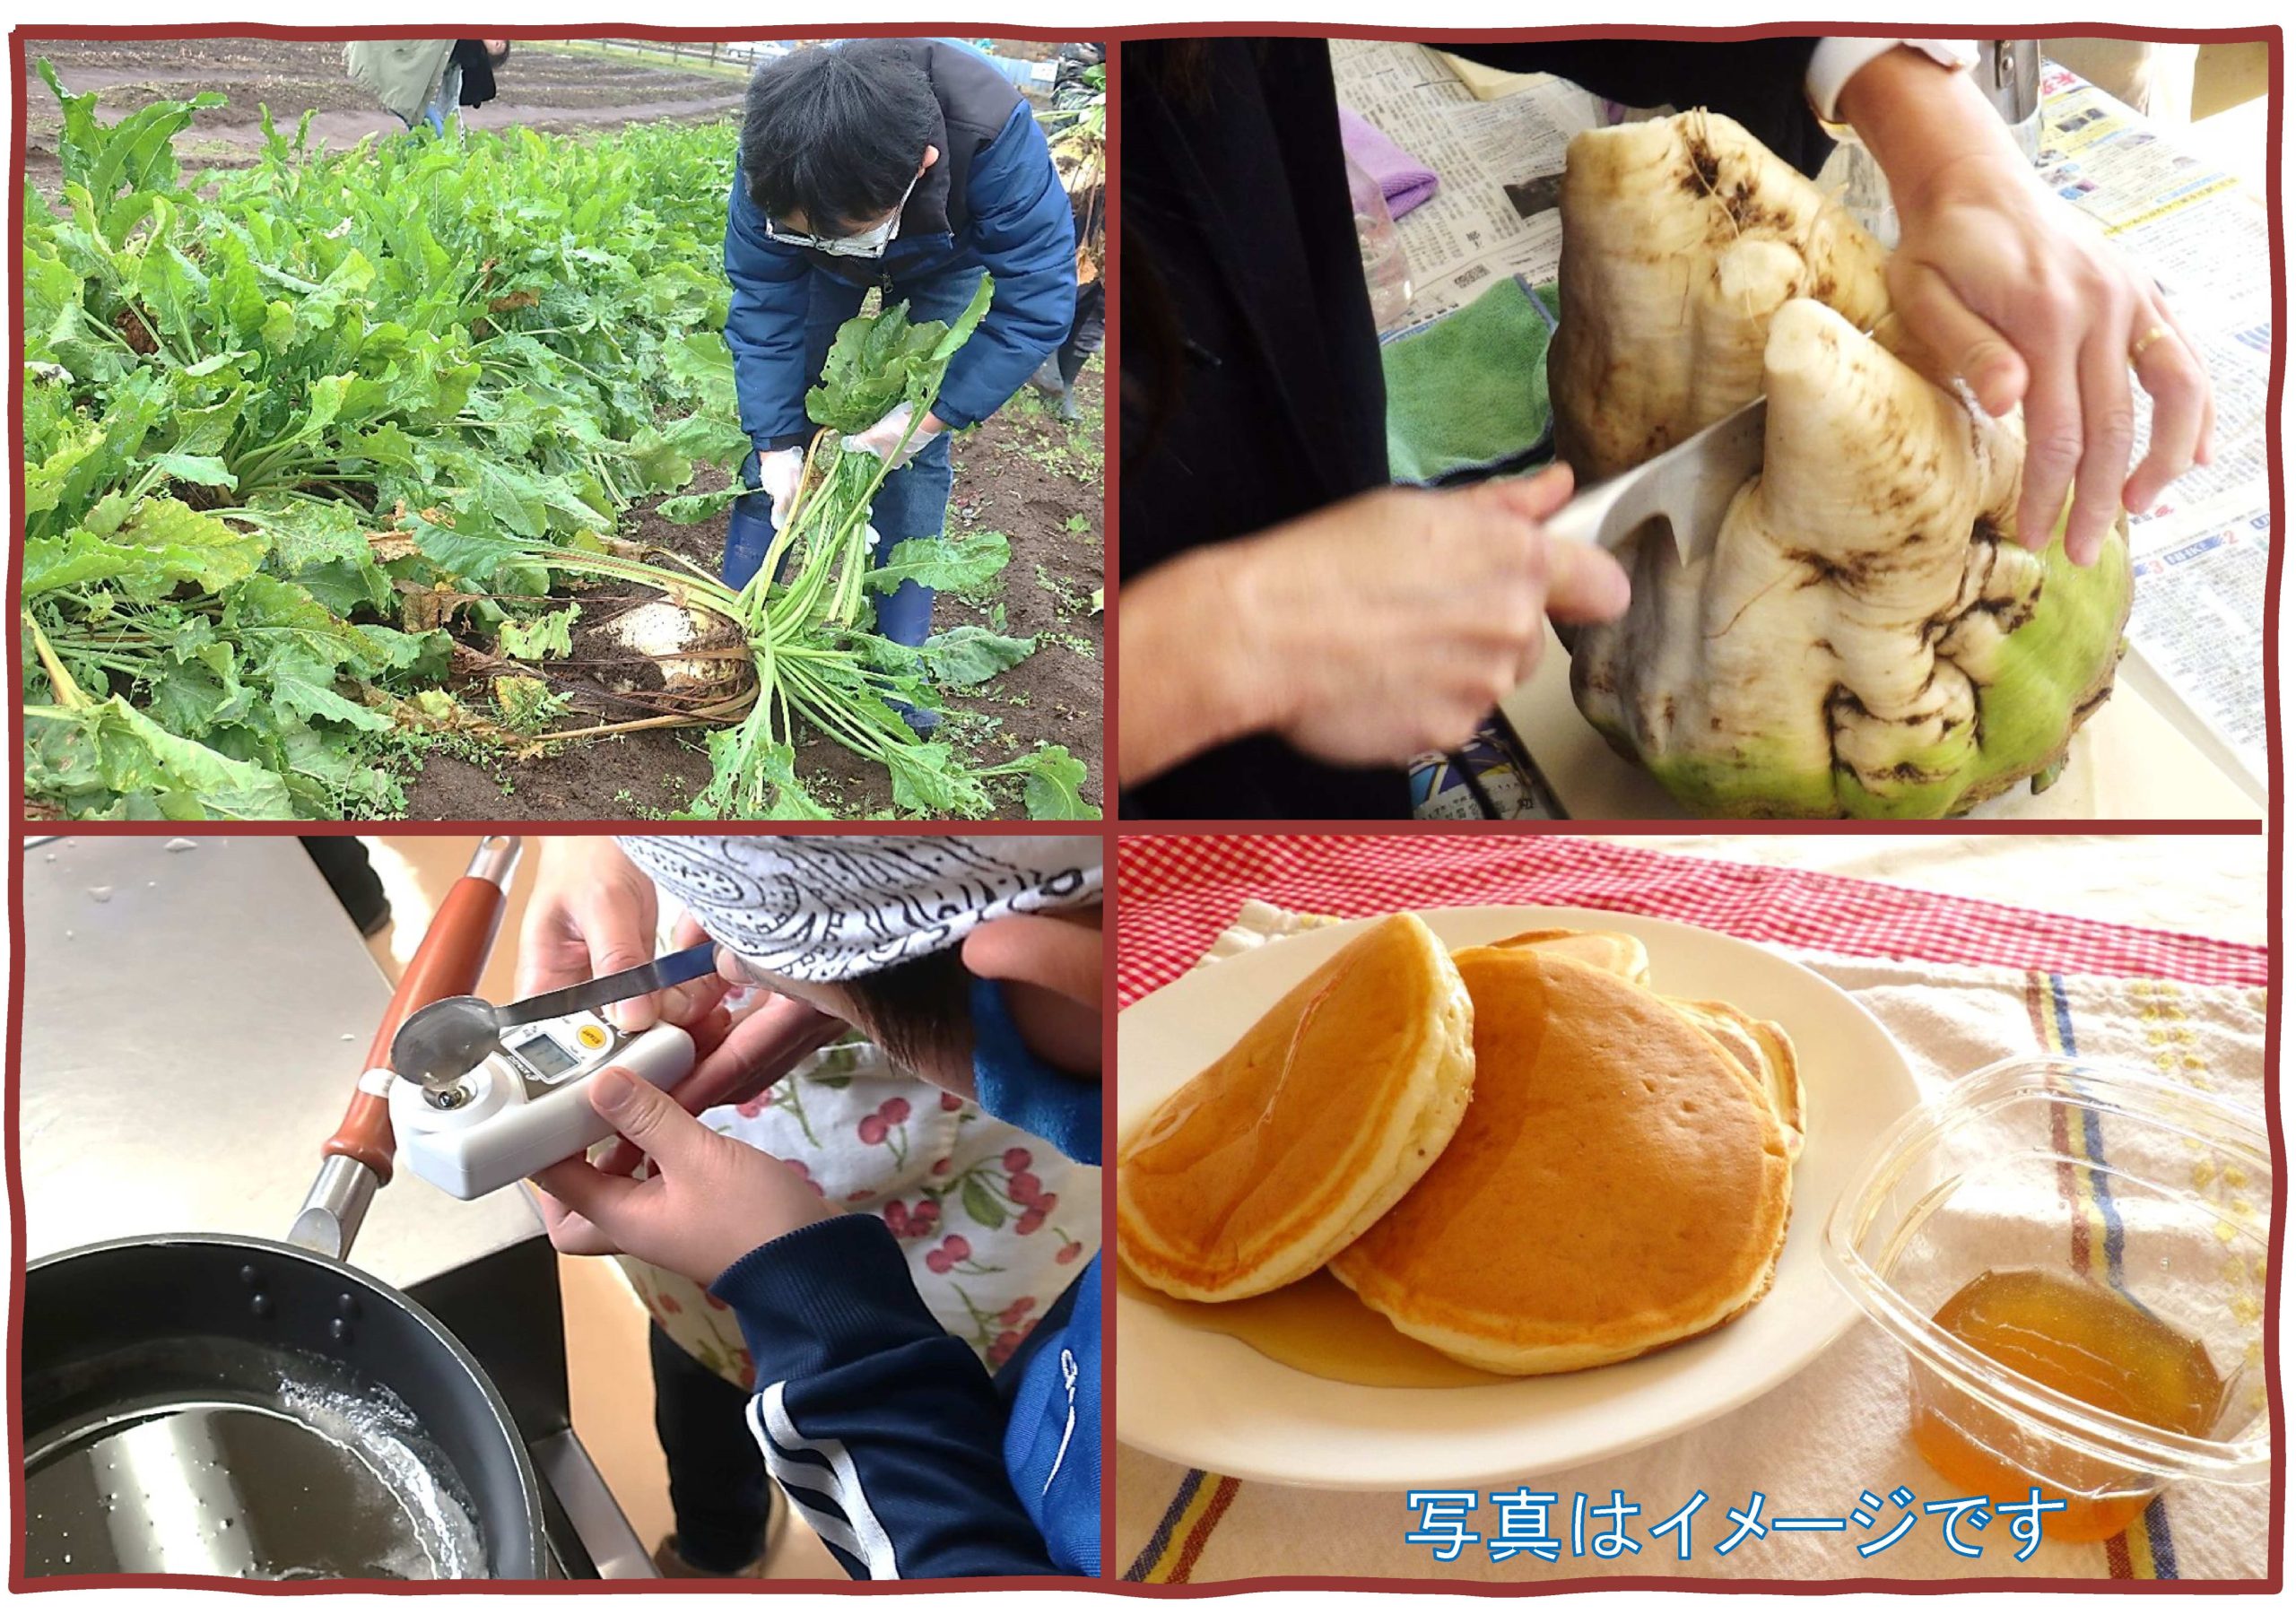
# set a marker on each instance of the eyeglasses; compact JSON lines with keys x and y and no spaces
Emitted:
{"x":862,"y":245}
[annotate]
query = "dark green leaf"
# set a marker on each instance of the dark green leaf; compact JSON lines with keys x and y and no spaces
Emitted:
{"x":961,"y":330}
{"x":191,"y":697}
{"x":481,"y":559}
{"x":322,"y":547}
{"x":877,"y":362}
{"x":304,"y":687}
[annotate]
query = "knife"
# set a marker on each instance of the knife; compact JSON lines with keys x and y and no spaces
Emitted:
{"x":1690,"y":487}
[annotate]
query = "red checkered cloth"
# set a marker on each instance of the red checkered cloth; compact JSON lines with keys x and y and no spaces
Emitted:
{"x":1176,"y":893}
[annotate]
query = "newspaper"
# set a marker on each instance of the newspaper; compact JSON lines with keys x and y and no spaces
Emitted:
{"x":1501,"y":163}
{"x":2201,"y":554}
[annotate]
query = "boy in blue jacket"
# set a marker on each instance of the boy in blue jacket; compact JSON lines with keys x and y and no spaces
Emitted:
{"x":885,"y":1432}
{"x":910,"y":166}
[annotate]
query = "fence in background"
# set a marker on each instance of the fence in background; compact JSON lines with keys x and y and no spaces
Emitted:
{"x":739,"y":52}
{"x":1033,"y":78}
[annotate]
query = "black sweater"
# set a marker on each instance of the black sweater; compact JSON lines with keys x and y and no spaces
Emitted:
{"x":478,"y":71}
{"x":1252,"y":392}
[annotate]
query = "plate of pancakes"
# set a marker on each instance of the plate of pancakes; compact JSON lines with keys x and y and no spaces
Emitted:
{"x":1479,"y":1193}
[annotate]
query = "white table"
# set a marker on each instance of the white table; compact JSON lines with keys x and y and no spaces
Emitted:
{"x":2128,"y":762}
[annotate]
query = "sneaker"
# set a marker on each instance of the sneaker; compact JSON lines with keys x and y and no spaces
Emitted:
{"x":671,"y":1564}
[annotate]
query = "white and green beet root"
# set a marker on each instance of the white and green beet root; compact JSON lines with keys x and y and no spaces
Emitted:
{"x":1867,"y":637}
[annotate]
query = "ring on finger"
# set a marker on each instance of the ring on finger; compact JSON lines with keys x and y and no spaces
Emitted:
{"x":2146,"y":341}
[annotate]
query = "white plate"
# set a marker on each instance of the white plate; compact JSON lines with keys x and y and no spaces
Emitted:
{"x":1202,"y":1399}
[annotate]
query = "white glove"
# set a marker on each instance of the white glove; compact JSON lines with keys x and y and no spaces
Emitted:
{"x":779,"y":473}
{"x":880,"y":440}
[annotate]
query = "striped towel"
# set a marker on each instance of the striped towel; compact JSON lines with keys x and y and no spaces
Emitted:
{"x":1958,"y":984}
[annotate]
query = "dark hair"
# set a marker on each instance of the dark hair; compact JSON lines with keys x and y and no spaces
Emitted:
{"x":836,"y":136}
{"x":1179,"y":70}
{"x":916,"y":1008}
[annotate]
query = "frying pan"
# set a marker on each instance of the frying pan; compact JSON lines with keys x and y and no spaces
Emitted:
{"x":219,"y":1404}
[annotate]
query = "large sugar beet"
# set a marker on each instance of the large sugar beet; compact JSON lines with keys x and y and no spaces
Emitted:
{"x":1867,"y":638}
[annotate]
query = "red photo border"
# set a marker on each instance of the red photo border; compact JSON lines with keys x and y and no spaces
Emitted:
{"x":20,"y":826}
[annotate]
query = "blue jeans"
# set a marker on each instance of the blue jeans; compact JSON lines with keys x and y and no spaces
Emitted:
{"x":445,"y":101}
{"x":913,"y":503}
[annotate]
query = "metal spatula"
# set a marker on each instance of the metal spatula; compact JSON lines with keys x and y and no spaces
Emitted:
{"x":1689,"y":487}
{"x":452,"y":1037}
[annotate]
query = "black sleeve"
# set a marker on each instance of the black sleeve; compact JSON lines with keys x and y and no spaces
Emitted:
{"x":1756,"y":82}
{"x":478,"y":71}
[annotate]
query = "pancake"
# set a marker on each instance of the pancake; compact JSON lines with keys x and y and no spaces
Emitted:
{"x":1766,"y":1051}
{"x":1267,"y":1163}
{"x":1761,"y":1046}
{"x":1609,"y":949}
{"x":1619,"y":1182}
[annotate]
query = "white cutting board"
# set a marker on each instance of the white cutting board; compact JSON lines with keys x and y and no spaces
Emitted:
{"x":2128,"y":761}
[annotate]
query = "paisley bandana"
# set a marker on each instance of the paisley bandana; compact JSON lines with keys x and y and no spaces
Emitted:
{"x":834,"y":906}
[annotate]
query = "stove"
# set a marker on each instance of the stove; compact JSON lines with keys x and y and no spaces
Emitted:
{"x":257,"y":990}
{"x":505,"y":1308}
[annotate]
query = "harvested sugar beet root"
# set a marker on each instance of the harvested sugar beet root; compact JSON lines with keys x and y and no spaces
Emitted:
{"x":1868,"y":638}
{"x":812,"y":657}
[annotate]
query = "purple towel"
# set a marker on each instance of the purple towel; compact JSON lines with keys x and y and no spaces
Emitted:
{"x":1404,"y":180}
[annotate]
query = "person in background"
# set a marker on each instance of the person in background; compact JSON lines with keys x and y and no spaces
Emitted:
{"x":348,"y":867}
{"x":1295,"y":630}
{"x":407,"y":77}
{"x":974,"y":964}
{"x":1056,"y":380}
{"x":474,"y":61}
{"x":1085,"y":173}
{"x":908,"y":166}
{"x":423,"y":82}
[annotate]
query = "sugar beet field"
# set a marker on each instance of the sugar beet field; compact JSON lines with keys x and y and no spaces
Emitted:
{"x":370,"y":475}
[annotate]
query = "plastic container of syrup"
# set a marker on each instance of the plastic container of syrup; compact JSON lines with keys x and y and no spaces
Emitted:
{"x":2074,"y":1261}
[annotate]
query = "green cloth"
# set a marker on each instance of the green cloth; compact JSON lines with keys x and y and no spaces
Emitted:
{"x":1469,"y":390}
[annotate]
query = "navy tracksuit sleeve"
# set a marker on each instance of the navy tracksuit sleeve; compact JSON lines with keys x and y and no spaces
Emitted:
{"x":765,"y":326}
{"x":1024,"y":234}
{"x":885,"y":1430}
{"x":1014,"y":1086}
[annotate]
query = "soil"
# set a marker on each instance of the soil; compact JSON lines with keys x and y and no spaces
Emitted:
{"x":1032,"y":479}
{"x":549,"y":89}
